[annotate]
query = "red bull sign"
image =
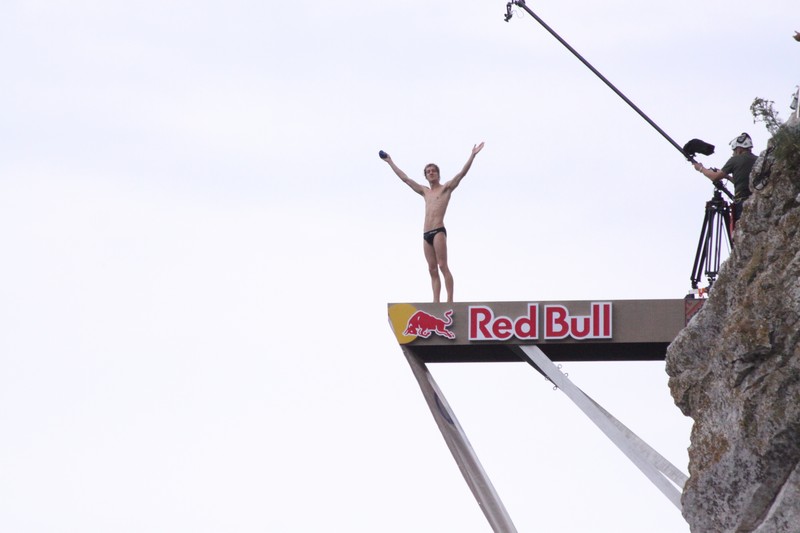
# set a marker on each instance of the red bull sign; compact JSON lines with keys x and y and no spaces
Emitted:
{"x":620,"y":330}
{"x":484,"y":324}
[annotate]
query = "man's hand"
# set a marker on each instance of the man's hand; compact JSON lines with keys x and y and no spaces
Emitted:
{"x":797,"y":36}
{"x":477,"y":148}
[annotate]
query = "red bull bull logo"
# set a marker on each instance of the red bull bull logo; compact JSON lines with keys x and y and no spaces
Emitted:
{"x":422,"y":324}
{"x":409,"y":323}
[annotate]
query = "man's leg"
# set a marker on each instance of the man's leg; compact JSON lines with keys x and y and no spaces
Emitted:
{"x":433,"y":269}
{"x":440,"y":249}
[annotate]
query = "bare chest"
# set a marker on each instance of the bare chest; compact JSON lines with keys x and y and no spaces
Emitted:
{"x":438,"y":197}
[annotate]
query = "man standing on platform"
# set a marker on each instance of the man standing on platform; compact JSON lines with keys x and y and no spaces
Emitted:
{"x":434,"y":235}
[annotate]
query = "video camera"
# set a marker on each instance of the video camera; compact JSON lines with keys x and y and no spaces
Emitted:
{"x":696,"y":146}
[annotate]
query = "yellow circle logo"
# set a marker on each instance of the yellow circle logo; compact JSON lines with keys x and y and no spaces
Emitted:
{"x":399,"y":314}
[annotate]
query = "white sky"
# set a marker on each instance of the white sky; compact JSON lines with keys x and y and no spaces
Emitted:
{"x":200,"y":241}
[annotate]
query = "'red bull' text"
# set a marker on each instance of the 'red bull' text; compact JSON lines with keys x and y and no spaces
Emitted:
{"x":558,"y":323}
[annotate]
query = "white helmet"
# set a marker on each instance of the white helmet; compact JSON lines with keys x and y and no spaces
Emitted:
{"x":742,"y":141}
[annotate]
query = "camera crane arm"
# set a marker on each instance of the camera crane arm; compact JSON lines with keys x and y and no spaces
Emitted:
{"x":689,"y":156}
{"x":521,"y":3}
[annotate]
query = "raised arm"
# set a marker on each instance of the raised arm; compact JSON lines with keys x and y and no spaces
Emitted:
{"x":453,"y":183}
{"x":416,"y":187}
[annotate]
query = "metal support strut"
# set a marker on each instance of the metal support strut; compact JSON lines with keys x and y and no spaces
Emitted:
{"x":663,"y":474}
{"x":652,"y":464}
{"x":466,"y":459}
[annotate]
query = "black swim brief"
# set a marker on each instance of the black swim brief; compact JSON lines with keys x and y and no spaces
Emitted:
{"x":429,"y":235}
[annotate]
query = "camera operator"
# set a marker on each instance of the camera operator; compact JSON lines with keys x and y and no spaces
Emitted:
{"x":738,"y":166}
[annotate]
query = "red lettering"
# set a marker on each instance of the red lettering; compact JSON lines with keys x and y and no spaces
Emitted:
{"x":484,"y":326}
{"x":596,"y":318}
{"x":502,"y":328}
{"x":555,"y":322}
{"x":479,"y":318}
{"x":525,"y":326}
{"x":558,"y":323}
{"x":576,"y":331}
{"x":602,"y":315}
{"x":596,"y":325}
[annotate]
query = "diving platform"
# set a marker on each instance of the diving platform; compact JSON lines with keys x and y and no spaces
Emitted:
{"x":539,"y":333}
{"x":616,"y":330}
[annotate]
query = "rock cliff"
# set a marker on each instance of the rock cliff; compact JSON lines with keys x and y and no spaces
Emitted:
{"x":735,"y":370}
